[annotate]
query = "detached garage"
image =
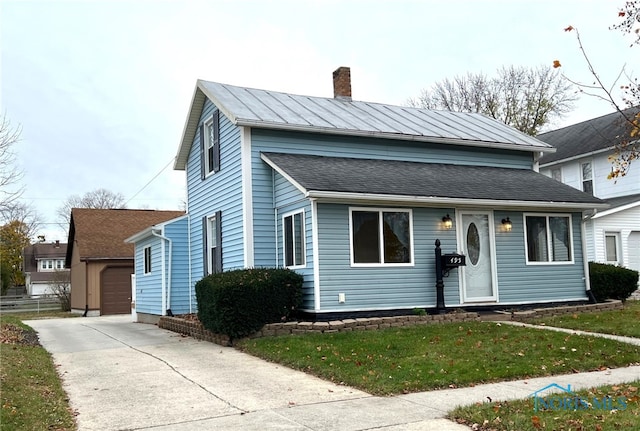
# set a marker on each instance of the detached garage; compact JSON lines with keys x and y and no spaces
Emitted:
{"x":101,"y":262}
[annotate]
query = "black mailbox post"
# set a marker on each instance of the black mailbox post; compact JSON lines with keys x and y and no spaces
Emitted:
{"x":444,"y":264}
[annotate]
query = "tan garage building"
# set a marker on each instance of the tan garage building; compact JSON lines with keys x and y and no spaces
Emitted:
{"x":101,"y":262}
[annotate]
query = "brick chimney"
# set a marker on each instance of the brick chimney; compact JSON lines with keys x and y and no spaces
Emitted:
{"x":342,"y":83}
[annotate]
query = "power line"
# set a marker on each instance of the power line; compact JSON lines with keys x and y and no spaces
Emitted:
{"x":150,"y":181}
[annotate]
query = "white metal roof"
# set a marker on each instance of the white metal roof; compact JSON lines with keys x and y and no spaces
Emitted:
{"x":275,"y":110}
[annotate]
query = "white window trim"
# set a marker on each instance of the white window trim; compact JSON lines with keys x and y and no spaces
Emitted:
{"x":582,"y":180}
{"x":207,"y":144}
{"x":304,"y":239}
{"x":618,"y":238}
{"x":380,"y":210}
{"x":571,"y":240}
{"x":144,"y":260}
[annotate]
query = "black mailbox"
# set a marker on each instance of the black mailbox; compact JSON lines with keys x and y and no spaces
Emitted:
{"x":453,"y":260}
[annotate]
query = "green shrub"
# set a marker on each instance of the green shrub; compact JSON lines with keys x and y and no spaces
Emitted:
{"x":240,"y":302}
{"x":612,"y":282}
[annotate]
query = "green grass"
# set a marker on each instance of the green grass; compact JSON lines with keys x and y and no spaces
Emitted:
{"x":32,"y":397}
{"x":520,"y":415}
{"x":618,"y":322}
{"x":420,"y":358}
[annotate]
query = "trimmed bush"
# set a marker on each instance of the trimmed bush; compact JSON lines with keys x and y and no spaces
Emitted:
{"x":612,"y":282}
{"x":240,"y":302}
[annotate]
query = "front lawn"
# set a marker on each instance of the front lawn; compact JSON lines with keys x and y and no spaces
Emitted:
{"x":32,"y":396}
{"x":427,"y":357}
{"x":620,"y":411}
{"x":618,"y":322}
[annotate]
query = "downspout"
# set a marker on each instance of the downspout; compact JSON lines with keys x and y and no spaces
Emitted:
{"x":166,"y":288}
{"x":585,"y":260}
{"x":189,"y":254}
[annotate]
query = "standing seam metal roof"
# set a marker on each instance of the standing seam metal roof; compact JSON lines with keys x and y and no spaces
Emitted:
{"x":283,"y":111}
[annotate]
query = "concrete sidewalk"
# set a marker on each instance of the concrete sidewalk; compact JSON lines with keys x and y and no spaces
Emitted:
{"x":129,"y":376}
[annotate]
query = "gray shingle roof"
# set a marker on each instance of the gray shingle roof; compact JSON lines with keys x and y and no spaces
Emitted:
{"x":590,"y":136}
{"x":320,"y":176}
{"x":275,"y":110}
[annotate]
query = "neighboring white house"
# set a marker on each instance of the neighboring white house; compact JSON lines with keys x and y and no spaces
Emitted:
{"x":43,"y":263}
{"x":582,"y":161}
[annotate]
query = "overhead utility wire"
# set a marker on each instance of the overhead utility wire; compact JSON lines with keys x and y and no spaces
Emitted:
{"x":150,"y":181}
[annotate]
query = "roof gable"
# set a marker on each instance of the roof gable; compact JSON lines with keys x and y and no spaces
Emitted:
{"x":100,"y":233}
{"x":282,"y":111}
{"x":588,"y":137}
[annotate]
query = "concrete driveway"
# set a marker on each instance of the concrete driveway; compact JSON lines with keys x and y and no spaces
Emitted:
{"x":121,"y":375}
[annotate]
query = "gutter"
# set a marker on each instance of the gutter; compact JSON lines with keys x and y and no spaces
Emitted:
{"x":166,"y":287}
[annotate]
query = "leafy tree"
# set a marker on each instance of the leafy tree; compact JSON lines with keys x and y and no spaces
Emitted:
{"x":98,"y":198}
{"x":526,"y":99}
{"x":627,"y":147}
{"x":24,"y":213}
{"x":14,"y":238}
{"x":10,"y":174}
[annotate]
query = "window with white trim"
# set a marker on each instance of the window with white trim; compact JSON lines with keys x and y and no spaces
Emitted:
{"x":381,"y":236}
{"x":587,"y":177}
{"x":611,"y":244}
{"x":293,"y":238}
{"x":548,"y":238}
{"x":213,"y":243}
{"x":210,"y":142}
{"x":556,"y":174}
{"x":59,"y":264}
{"x":147,"y":259}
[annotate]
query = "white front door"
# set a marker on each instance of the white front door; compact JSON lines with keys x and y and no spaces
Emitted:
{"x":475,"y":236}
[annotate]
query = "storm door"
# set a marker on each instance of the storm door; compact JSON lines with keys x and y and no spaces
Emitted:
{"x":477,"y":244}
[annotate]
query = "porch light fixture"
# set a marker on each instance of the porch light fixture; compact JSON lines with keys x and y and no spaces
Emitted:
{"x":447,"y":222}
{"x":506,"y":224}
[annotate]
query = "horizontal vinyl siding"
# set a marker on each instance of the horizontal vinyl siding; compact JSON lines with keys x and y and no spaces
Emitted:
{"x":623,"y":222}
{"x":149,"y":286}
{"x":382,"y":287}
{"x":288,"y":199}
{"x":180,"y":300}
{"x":386,"y":149}
{"x":522,"y":283}
{"x":221,"y":191}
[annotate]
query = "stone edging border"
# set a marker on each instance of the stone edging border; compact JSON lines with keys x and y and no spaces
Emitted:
{"x":194,"y":328}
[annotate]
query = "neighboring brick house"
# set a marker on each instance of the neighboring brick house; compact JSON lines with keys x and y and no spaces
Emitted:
{"x":101,"y":262}
{"x":42,"y":262}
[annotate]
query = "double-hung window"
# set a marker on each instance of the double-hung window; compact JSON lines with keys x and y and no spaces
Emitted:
{"x":587,"y":177}
{"x":210,"y":145}
{"x":381,"y":236}
{"x":548,"y":238}
{"x":293,"y":234}
{"x":147,"y":259}
{"x":611,"y":244}
{"x":212,"y":238}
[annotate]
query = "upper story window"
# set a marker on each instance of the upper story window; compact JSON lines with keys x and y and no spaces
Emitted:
{"x":293,"y":233}
{"x":59,"y":264}
{"x":147,"y":259}
{"x":381,"y":236}
{"x":556,"y":174}
{"x":587,"y":177}
{"x":210,"y":145}
{"x":548,"y":238}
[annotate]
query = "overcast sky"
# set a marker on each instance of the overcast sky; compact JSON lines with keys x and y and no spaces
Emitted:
{"x":101,"y":89}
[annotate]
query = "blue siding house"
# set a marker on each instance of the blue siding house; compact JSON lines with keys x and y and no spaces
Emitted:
{"x":353,"y":196}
